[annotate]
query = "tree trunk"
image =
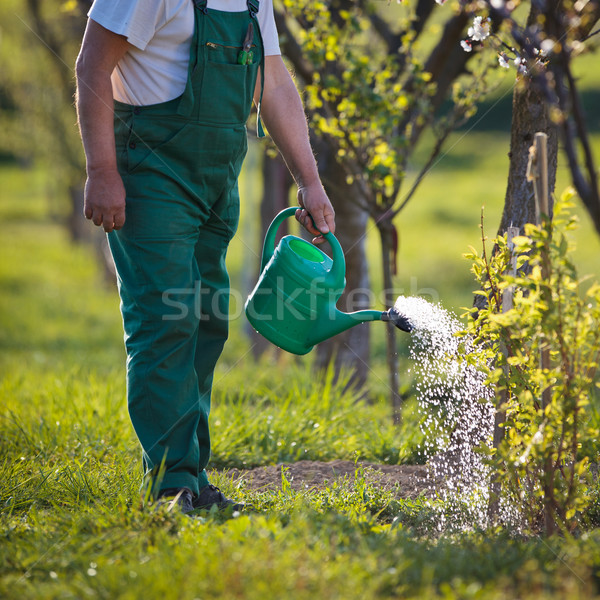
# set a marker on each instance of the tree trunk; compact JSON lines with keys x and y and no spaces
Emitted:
{"x":386,"y":234}
{"x":83,"y":231}
{"x":277,"y":182}
{"x":349,"y":350}
{"x":529,"y":116}
{"x":78,"y":226}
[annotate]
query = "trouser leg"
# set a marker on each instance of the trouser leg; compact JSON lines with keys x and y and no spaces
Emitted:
{"x":174,"y":290}
{"x":212,"y":331}
{"x":158,"y":282}
{"x":210,"y":252}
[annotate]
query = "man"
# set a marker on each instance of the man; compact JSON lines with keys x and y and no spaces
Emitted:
{"x":165,"y":88}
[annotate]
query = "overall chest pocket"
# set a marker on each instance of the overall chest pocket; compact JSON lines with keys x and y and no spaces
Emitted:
{"x":224,"y":53}
{"x":227,"y":87}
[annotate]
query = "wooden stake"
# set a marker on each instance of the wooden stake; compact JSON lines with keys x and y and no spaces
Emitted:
{"x":537,"y":172}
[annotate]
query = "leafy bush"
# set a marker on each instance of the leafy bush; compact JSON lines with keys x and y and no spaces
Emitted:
{"x":542,"y":356}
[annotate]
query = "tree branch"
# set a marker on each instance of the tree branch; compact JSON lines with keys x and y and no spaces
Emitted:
{"x":433,"y":155}
{"x":292,"y":49}
{"x":586,"y":188}
{"x":57,"y":54}
{"x":448,"y":60}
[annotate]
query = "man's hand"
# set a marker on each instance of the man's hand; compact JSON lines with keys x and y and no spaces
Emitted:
{"x":317,"y":214}
{"x":104,"y":199}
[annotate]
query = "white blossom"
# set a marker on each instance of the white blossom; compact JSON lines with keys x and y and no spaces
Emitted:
{"x":480,"y":29}
{"x":546,"y":46}
{"x":466,"y":45}
{"x":521,"y":65}
{"x":503,"y":60}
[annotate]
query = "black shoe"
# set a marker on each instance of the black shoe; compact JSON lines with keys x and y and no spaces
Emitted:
{"x":210,"y":496}
{"x":181,"y":497}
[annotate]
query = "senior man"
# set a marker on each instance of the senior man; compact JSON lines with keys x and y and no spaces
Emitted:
{"x":165,"y":88}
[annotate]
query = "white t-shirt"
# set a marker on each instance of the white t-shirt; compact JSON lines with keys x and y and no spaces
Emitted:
{"x":155,"y":69}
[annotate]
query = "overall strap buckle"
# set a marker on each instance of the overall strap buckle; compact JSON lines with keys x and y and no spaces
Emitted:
{"x":252,"y":7}
{"x":201,"y":6}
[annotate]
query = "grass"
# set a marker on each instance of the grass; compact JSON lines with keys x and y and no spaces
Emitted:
{"x":71,"y":520}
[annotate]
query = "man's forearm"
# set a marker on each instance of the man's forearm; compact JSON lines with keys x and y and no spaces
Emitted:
{"x":283,"y":114}
{"x":104,"y":198}
{"x":284,"y":117}
{"x":95,"y":118}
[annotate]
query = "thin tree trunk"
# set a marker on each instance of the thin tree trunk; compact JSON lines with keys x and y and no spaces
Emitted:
{"x":277,"y":182}
{"x":78,"y":226}
{"x":386,"y":236}
{"x":82,"y":231}
{"x":529,"y":116}
{"x":349,"y":350}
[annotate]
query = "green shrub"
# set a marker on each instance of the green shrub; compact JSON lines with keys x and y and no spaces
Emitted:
{"x":542,"y":356}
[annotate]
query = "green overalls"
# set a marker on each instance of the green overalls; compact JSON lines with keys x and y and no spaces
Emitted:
{"x":180,"y":161}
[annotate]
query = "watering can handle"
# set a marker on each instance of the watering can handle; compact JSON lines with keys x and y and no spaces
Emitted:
{"x":337,"y":274}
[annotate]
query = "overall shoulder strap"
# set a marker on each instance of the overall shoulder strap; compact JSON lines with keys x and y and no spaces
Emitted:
{"x":252,"y":7}
{"x":201,"y":5}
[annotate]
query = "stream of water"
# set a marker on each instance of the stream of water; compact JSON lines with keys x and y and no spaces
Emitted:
{"x":458,"y":415}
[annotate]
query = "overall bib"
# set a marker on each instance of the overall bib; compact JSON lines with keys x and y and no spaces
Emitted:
{"x":180,"y":161}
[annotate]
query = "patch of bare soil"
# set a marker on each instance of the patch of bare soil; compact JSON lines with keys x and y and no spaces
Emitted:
{"x":407,"y":481}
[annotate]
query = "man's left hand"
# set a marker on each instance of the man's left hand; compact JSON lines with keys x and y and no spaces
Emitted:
{"x":316,"y":213}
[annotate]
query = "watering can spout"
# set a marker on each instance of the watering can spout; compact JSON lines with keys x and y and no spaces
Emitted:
{"x":341,"y":321}
{"x":398,"y":319}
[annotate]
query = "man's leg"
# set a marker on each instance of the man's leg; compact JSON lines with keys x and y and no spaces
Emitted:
{"x":158,"y":275}
{"x":210,"y":253}
{"x":212,"y":331}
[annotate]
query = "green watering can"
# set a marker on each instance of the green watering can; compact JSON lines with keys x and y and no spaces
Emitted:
{"x":294,"y":302}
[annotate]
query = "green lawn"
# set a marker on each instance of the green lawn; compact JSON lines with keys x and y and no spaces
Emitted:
{"x":70,"y":512}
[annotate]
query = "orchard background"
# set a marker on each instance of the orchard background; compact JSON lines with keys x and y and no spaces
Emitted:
{"x":71,"y":516}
